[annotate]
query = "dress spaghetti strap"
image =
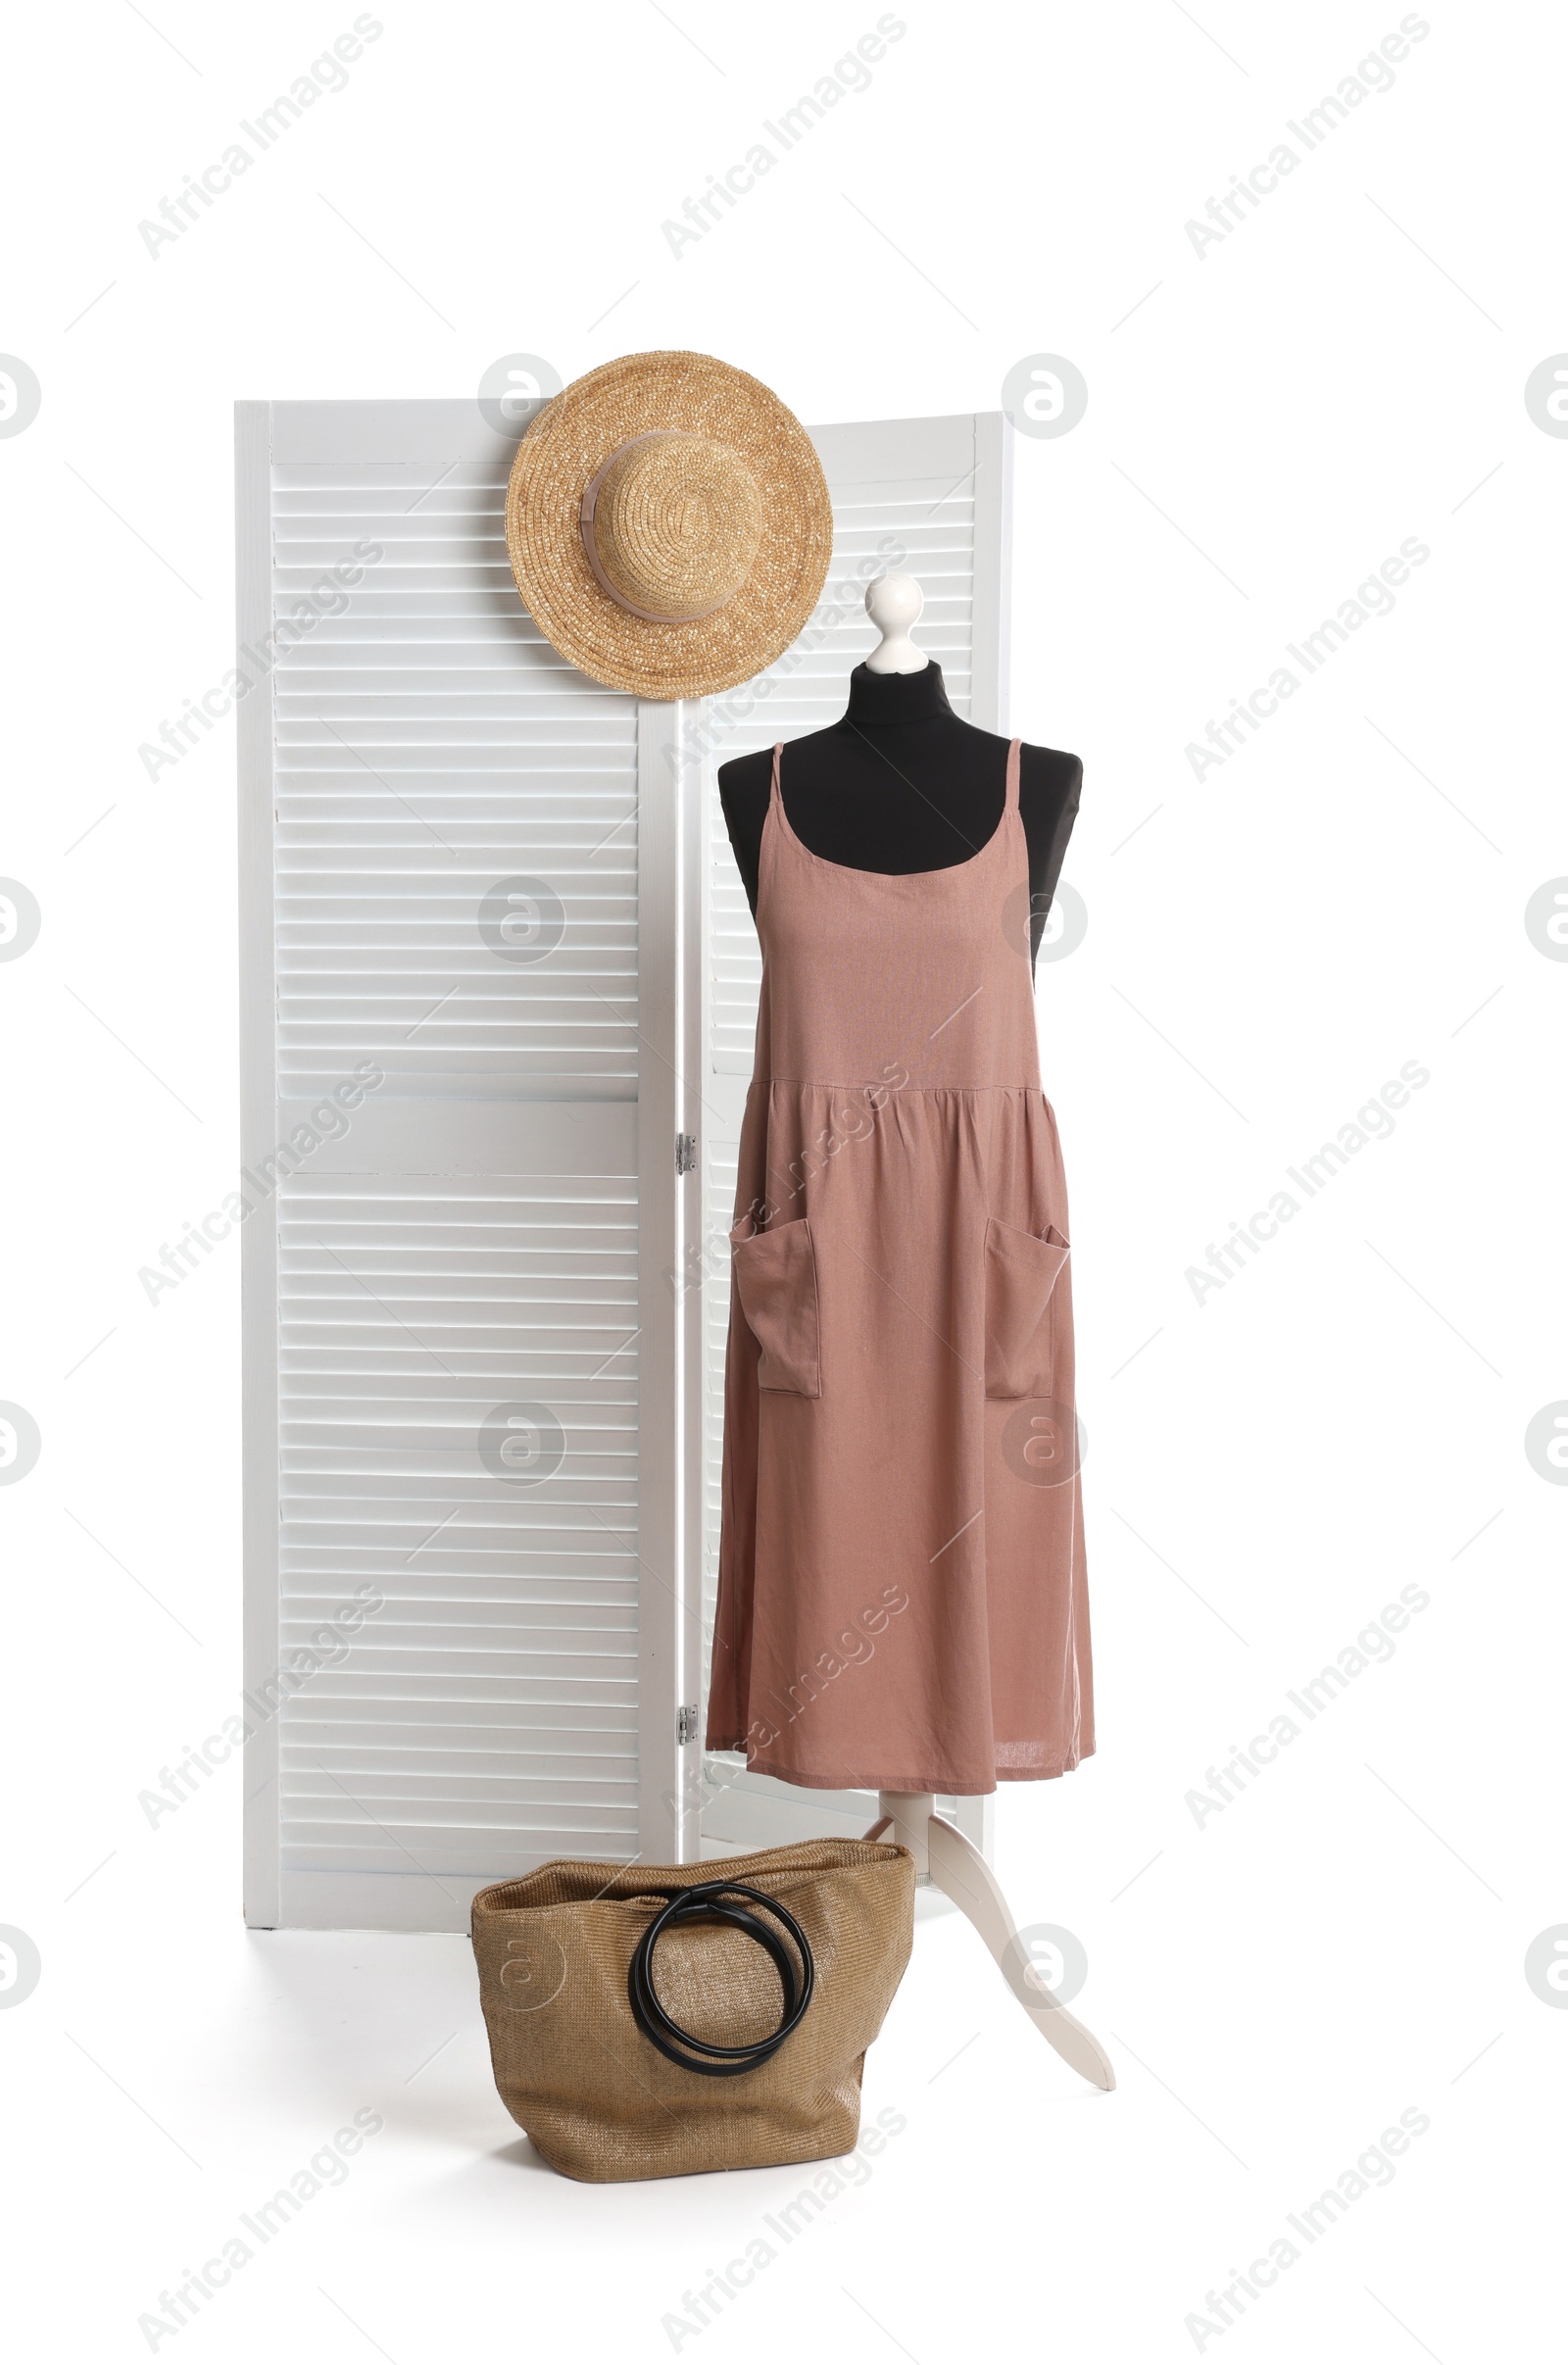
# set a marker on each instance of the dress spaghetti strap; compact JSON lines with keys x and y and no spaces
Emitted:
{"x":1012,"y":804}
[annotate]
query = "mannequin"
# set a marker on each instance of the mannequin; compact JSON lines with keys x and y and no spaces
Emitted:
{"x":901,"y":785}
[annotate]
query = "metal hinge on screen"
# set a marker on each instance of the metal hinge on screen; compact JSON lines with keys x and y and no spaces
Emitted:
{"x":686,"y":1725}
{"x":685,"y":1153}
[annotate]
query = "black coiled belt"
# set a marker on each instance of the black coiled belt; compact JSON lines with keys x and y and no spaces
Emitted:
{"x":705,"y":1903}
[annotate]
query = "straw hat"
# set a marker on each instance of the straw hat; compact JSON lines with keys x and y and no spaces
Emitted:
{"x":669,"y":525}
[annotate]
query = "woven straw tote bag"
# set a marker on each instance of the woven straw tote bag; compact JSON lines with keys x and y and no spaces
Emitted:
{"x":662,"y":2020}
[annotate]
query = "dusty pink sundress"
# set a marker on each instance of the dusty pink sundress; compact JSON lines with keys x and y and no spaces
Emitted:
{"x":901,"y":1598}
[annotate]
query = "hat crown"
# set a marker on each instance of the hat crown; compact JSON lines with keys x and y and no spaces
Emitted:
{"x":673,"y":523}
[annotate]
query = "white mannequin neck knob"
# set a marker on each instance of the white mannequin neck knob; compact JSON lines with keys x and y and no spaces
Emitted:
{"x":894,"y":603}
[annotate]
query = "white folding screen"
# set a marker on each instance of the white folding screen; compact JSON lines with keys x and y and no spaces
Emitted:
{"x":930,"y":498}
{"x":463,"y":1501}
{"x":496,"y":962}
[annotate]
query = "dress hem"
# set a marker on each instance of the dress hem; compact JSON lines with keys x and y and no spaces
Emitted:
{"x":937,"y":1785}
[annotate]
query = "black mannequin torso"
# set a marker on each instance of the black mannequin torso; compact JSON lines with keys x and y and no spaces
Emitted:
{"x":900,"y":784}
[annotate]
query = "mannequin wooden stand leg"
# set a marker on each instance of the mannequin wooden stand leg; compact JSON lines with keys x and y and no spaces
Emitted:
{"x":954,"y":1865}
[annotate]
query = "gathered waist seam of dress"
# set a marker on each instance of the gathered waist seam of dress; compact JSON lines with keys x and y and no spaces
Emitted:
{"x":893,"y":1091}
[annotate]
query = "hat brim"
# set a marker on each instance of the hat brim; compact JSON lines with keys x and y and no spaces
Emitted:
{"x":570,"y":439}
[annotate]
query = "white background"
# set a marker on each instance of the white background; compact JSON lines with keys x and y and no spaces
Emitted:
{"x":1347,"y":894}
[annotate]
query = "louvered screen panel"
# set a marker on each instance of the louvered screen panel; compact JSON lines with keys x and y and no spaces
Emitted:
{"x":455,"y":875}
{"x":921,"y":497}
{"x":431,"y":745}
{"x":487,"y":1715}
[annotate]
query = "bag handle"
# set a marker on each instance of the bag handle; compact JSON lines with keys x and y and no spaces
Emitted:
{"x":705,"y":1903}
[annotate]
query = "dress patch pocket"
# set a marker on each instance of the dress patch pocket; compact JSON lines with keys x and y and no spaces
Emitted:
{"x":775,"y":1276}
{"x":1021,"y":1272}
